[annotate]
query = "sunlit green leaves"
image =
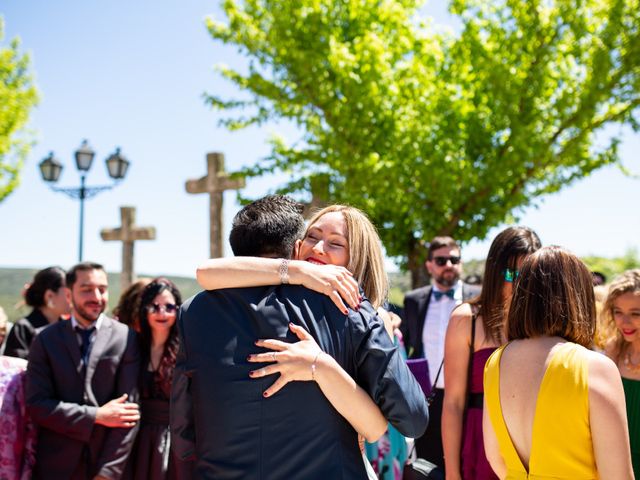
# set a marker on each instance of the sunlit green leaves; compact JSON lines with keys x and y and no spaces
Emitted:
{"x":17,"y":98}
{"x":435,"y":133}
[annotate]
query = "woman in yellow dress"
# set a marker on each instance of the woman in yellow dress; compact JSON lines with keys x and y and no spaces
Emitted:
{"x":553,"y":408}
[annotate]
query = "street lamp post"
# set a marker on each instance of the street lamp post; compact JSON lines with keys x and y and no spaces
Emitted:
{"x":51,"y":168}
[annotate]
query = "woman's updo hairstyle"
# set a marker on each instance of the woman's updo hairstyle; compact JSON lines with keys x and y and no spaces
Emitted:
{"x":51,"y":278}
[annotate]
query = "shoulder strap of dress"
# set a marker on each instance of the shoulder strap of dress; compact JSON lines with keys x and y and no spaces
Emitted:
{"x":474,"y":315}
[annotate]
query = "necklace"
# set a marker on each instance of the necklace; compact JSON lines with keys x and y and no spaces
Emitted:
{"x":634,"y":367}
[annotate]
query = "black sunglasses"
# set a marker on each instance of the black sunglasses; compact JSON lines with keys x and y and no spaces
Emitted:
{"x":169,"y":308}
{"x":442,"y":261}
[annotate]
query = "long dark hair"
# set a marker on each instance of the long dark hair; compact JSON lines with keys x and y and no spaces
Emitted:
{"x":164,"y":373}
{"x":128,"y":309}
{"x":51,"y":278}
{"x":510,"y":244}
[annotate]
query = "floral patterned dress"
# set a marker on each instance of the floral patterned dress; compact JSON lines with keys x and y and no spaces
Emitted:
{"x":17,"y":431}
{"x":389,"y":454}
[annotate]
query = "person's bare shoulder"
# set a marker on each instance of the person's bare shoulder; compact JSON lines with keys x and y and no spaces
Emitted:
{"x":461,"y":314}
{"x":603,"y":375}
{"x":459,"y":325}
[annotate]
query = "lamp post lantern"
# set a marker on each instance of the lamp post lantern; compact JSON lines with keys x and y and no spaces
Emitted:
{"x":51,"y":168}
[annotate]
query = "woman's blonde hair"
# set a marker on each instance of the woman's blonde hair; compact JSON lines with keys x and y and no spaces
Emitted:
{"x":628,"y":282}
{"x":366,"y":261}
{"x":603,"y":332}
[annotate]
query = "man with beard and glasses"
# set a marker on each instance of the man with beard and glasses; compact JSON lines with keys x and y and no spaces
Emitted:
{"x":427,"y":312}
{"x":80,"y":384}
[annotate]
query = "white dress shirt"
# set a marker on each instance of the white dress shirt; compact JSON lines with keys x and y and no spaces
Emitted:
{"x":435,"y":328}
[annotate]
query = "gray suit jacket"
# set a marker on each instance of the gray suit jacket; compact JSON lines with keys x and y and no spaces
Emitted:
{"x":63,"y":402}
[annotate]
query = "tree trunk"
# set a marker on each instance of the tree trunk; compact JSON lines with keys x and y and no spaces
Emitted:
{"x":419,"y":275}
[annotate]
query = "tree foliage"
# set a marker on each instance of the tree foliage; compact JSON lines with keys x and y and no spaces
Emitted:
{"x":611,"y":267}
{"x":433,"y":133}
{"x":17,"y":98}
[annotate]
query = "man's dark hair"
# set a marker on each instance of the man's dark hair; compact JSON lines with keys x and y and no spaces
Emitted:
{"x":72,"y":274}
{"x":269,"y":226}
{"x":439,"y":242}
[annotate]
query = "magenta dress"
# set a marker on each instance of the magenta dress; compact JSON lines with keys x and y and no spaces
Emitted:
{"x":475,"y":465}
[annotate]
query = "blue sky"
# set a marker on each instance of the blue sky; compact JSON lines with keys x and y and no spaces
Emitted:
{"x":132,"y":74}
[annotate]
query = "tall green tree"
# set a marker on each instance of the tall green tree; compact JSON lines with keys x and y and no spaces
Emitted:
{"x":433,"y":133}
{"x":18,"y":96}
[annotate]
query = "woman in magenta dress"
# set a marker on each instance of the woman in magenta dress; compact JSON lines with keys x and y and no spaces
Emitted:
{"x":475,"y":330}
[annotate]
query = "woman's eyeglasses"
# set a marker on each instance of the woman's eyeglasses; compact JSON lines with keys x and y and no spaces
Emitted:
{"x":442,"y":261}
{"x":510,"y":275}
{"x":169,"y":308}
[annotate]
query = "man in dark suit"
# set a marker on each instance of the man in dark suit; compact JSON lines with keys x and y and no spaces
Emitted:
{"x":220,"y":415}
{"x":81,"y":377}
{"x":426,"y":317}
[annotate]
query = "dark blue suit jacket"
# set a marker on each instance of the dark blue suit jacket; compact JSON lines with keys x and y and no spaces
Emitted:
{"x":219,"y":416}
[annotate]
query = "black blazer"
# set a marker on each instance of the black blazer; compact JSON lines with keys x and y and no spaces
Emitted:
{"x":63,"y":402}
{"x":220,"y":417}
{"x":22,"y":334}
{"x":416,"y":303}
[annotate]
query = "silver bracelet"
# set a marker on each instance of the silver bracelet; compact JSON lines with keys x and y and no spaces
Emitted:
{"x":313,"y":366}
{"x":284,"y":271}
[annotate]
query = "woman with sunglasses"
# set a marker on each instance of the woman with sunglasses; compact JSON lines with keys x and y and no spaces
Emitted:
{"x":151,"y":456}
{"x":475,"y":330}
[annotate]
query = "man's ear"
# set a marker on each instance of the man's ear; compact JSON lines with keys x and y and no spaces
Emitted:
{"x":427,"y":265}
{"x":296,"y":249}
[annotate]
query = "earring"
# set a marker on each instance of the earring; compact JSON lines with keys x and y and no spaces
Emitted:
{"x":50,"y":303}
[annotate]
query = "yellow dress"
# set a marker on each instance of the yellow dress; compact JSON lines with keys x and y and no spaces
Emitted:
{"x":561,"y":446}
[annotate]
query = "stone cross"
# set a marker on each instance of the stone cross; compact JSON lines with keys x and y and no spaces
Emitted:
{"x":215,"y":182}
{"x":128,"y":233}
{"x":319,"y":195}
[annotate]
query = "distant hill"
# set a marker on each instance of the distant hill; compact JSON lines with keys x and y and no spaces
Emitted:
{"x":13,"y":279}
